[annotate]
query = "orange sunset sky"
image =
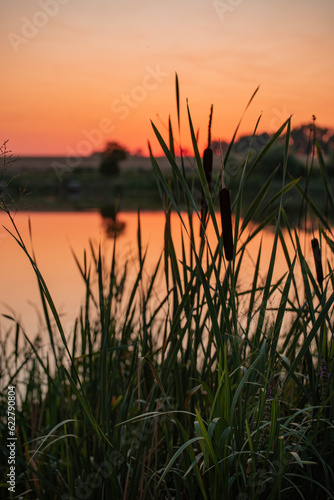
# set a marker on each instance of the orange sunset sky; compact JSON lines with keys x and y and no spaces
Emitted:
{"x":79,"y":73}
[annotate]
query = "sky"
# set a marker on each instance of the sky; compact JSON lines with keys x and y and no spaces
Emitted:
{"x":79,"y":73}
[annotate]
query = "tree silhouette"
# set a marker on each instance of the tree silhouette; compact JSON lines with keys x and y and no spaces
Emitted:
{"x":113,"y":154}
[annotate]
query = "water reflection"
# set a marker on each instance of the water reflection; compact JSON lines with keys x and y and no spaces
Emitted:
{"x":56,"y":234}
{"x":111,"y":222}
{"x":73,"y":190}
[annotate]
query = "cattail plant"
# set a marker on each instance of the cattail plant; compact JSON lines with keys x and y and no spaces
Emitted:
{"x":207,"y":165}
{"x":317,"y":260}
{"x":226,"y":218}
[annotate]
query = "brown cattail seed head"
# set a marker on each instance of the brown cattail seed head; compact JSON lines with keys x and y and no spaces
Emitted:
{"x":225,"y":212}
{"x":207,"y":165}
{"x":317,"y":260}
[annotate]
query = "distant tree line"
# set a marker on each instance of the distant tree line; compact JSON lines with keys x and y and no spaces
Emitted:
{"x":303,"y":136}
{"x":301,"y":140}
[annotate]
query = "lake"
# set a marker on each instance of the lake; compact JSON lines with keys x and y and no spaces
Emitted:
{"x":54,"y":234}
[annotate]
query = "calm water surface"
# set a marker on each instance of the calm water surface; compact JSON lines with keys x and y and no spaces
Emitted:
{"x":53,"y":237}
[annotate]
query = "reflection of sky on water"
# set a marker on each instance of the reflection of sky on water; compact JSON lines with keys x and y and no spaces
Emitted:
{"x":55,"y":234}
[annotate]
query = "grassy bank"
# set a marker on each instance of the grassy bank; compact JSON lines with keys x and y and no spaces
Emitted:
{"x":84,"y":188}
{"x":209,"y":393}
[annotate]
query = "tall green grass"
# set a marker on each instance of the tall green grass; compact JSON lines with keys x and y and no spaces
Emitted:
{"x":213,"y":391}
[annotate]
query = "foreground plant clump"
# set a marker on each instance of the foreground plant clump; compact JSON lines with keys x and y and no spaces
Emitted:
{"x":212,"y":391}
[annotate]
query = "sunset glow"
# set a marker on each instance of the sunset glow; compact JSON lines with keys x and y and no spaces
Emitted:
{"x":79,"y":73}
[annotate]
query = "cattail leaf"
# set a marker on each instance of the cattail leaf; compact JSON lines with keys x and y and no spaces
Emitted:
{"x":279,"y":194}
{"x":171,"y":138}
{"x":253,"y":291}
{"x":152,"y":282}
{"x":50,"y":434}
{"x":166,"y":245}
{"x":180,"y":450}
{"x":202,"y":177}
{"x":45,"y":291}
{"x":306,"y":272}
{"x":288,"y":260}
{"x":237,"y":128}
{"x":174,"y":264}
{"x":177,"y":91}
{"x":86,"y":407}
{"x":257,"y":201}
{"x":268,"y":220}
{"x":269,"y":144}
{"x":313,"y":206}
{"x":247,"y":374}
{"x":311,"y":335}
{"x":323,"y":173}
{"x":282,"y":309}
{"x":179,"y":175}
{"x":328,"y":240}
{"x":207,"y":442}
{"x":207,"y":166}
{"x":154,"y":373}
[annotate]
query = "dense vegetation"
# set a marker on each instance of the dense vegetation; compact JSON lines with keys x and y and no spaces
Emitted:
{"x":213,"y":392}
